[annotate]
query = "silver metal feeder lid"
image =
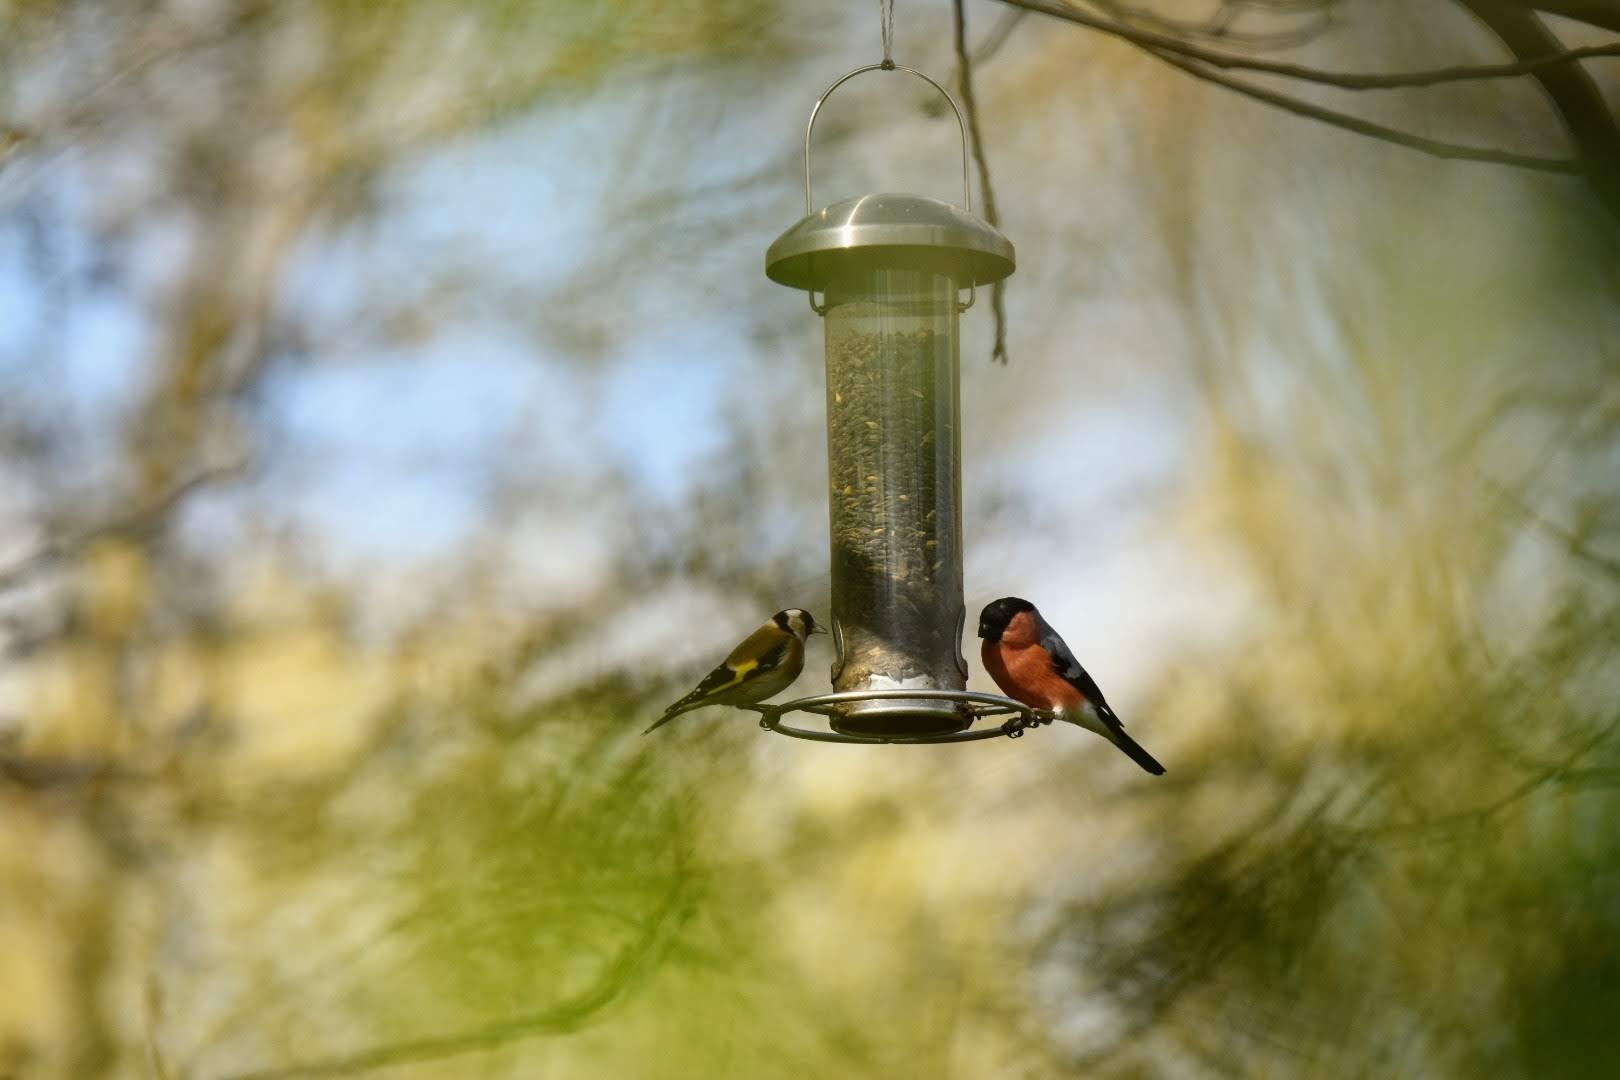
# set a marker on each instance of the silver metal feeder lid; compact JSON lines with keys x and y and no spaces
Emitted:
{"x":889,"y":229}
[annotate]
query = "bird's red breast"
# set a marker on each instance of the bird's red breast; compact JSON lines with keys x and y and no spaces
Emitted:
{"x":1024,"y":670}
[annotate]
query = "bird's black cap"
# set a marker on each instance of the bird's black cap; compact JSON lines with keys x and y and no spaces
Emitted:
{"x":784,"y":620}
{"x":997,"y":614}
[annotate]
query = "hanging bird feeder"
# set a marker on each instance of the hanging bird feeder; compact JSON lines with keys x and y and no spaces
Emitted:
{"x":894,"y":273}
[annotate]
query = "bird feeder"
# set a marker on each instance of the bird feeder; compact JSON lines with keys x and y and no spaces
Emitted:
{"x":894,"y":273}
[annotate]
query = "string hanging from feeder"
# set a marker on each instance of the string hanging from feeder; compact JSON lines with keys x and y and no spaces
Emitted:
{"x":886,"y":27}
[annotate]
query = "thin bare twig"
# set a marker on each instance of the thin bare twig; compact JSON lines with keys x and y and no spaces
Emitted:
{"x":81,"y":109}
{"x":999,"y":34}
{"x":1478,"y":815}
{"x":1284,"y":7}
{"x":55,"y":774}
{"x":1596,"y":776}
{"x":1343,"y":80}
{"x":964,"y":71}
{"x":1219,"y":27}
{"x":1432,"y":147}
{"x":1574,"y":96}
{"x":1604,"y":14}
{"x":1573,"y":544}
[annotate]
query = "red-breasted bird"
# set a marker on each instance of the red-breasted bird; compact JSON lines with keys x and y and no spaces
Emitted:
{"x":1031,"y":664}
{"x":766,"y":663}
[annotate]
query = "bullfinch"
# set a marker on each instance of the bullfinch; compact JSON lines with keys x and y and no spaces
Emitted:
{"x":766,"y":663}
{"x":1031,"y":664}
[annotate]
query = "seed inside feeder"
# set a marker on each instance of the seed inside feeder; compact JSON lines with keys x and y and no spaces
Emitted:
{"x":892,"y":443}
{"x":891,"y":267}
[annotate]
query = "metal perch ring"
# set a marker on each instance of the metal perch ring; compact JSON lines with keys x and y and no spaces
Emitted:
{"x":980,"y":705}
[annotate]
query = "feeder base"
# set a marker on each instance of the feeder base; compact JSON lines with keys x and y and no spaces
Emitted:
{"x":900,"y":716}
{"x":1020,"y":718}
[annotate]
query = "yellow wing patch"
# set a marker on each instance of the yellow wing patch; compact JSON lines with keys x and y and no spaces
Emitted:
{"x":722,"y":678}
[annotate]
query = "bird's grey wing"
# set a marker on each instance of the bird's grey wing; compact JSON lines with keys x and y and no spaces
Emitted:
{"x":1067,"y":666}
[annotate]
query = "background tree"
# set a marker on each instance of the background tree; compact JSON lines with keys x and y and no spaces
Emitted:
{"x":1538,"y":53}
{"x":395,"y":417}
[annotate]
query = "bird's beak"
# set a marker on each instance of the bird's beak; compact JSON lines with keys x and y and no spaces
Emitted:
{"x":984,"y":631}
{"x":819,"y":629}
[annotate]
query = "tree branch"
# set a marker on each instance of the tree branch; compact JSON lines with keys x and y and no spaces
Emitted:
{"x":999,"y":34}
{"x":1603,"y":14}
{"x":1283,"y":7}
{"x":1432,"y":147}
{"x":1576,"y":98}
{"x":49,"y":774}
{"x":964,"y":70}
{"x":1597,"y":776}
{"x":1480,"y":814}
{"x":1343,"y":80}
{"x":1573,"y":544}
{"x":1219,"y":27}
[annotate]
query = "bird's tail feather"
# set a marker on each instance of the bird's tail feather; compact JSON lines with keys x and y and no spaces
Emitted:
{"x":1116,"y":735}
{"x":683,"y":705}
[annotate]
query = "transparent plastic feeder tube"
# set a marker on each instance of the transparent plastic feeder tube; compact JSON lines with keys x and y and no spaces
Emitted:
{"x":894,"y":453}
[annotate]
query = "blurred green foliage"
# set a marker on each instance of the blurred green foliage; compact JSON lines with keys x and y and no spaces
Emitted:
{"x":244,"y":832}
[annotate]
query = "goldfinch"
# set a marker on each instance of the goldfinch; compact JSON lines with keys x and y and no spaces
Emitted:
{"x":766,"y":663}
{"x":1031,"y":664}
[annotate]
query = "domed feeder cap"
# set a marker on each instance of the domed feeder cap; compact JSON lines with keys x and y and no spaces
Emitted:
{"x":889,"y":230}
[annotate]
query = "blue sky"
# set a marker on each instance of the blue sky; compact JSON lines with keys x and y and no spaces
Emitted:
{"x":578,"y":295}
{"x":576,"y":299}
